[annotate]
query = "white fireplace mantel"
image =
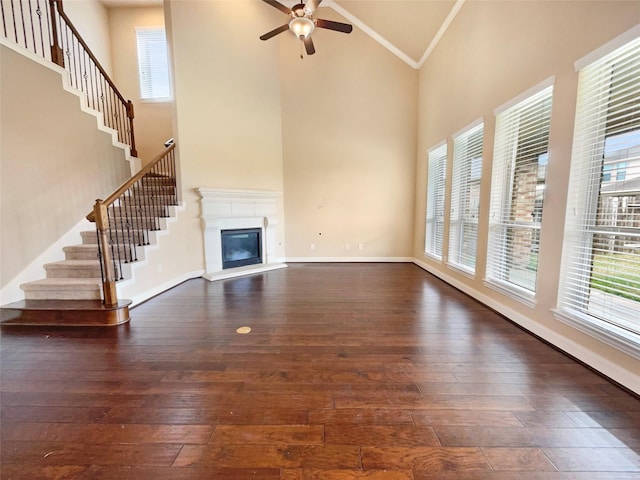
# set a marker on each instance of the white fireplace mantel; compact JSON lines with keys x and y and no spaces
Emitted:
{"x":234,"y":209}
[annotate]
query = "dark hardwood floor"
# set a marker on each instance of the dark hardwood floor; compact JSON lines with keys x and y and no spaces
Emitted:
{"x":351,"y":371}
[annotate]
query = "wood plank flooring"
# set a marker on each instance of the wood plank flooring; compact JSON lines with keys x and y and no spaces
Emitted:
{"x":350,"y":371}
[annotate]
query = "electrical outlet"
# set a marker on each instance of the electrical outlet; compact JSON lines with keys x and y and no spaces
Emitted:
{"x":361,"y":246}
{"x":347,"y":247}
{"x":312,"y":246}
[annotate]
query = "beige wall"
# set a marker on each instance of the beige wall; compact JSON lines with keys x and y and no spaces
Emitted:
{"x":349,"y":134}
{"x":227,"y":111}
{"x":153,"y":120}
{"x":51,"y":171}
{"x":492,"y":52}
{"x":90,"y":17}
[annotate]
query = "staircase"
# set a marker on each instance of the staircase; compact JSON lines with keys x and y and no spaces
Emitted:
{"x":71,"y":293}
{"x":81,"y":289}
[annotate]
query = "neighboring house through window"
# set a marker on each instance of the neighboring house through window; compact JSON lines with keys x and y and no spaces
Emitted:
{"x":600,"y":276}
{"x":517,"y":192}
{"x":465,"y":198}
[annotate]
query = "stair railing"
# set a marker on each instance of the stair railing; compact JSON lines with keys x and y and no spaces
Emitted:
{"x":42,"y":27}
{"x":124,"y":219}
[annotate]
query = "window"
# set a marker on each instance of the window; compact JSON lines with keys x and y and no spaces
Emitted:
{"x":153,"y":66}
{"x":600,"y":279}
{"x":434,"y":234}
{"x":517,"y":193}
{"x":465,"y":198}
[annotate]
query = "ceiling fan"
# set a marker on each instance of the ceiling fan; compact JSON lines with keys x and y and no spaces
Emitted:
{"x":302,"y":23}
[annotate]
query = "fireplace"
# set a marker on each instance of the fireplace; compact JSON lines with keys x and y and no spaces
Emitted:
{"x":241,"y":247}
{"x":246,"y":216}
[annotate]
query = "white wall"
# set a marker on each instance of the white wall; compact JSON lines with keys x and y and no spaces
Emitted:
{"x":492,"y":52}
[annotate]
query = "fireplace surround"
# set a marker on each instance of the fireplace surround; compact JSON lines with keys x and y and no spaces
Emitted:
{"x":233,"y":210}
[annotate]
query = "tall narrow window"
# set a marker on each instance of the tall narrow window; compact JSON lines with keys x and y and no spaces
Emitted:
{"x":434,"y":233}
{"x":517,"y":194}
{"x":465,"y":198}
{"x":600,"y":279}
{"x":153,"y":65}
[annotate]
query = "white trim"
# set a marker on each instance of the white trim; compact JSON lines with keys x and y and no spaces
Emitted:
{"x":608,"y":47}
{"x":617,"y":337}
{"x":438,"y":145}
{"x":433,"y":256}
{"x":470,"y":274}
{"x":441,"y":31}
{"x":548,"y":82}
{"x":243,"y":271}
{"x":465,"y":129}
{"x":512,"y":291}
{"x":349,"y":259}
{"x":373,"y":34}
{"x":163,"y":287}
{"x":134,"y":162}
{"x":615,"y":371}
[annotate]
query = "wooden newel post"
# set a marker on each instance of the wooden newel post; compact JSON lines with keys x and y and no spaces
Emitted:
{"x":57,"y":56}
{"x":130,"y":116}
{"x":108,"y":280}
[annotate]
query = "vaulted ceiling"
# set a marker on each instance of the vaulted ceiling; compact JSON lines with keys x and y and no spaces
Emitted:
{"x":408,"y":28}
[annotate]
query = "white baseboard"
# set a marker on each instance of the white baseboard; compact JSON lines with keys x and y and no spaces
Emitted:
{"x":163,"y":287}
{"x":350,"y":259}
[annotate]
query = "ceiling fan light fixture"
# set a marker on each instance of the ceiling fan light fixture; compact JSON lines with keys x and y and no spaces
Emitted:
{"x":301,"y":26}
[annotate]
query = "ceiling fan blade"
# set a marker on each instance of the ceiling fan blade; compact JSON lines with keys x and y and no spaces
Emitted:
{"x":308,"y":44}
{"x":278,"y":5}
{"x":331,"y":25}
{"x":275,"y":32}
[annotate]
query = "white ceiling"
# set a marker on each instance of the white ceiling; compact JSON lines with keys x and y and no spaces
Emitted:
{"x":409,"y":29}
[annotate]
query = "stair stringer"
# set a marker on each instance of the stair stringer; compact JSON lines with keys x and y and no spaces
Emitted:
{"x":134,"y":162}
{"x":12,"y":292}
{"x":138,"y":275}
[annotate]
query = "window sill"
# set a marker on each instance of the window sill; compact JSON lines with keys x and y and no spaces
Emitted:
{"x":619,"y":338}
{"x":512,"y":291}
{"x":156,"y":100}
{"x":433,"y":256}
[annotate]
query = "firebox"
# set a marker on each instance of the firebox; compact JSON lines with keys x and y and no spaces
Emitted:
{"x":241,"y":247}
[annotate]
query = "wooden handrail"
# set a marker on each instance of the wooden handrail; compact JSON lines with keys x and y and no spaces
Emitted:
{"x":123,"y":220}
{"x":133,"y":180}
{"x":75,"y":32}
{"x":43,"y":28}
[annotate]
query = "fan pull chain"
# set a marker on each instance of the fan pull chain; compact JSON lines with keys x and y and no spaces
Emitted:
{"x":301,"y":51}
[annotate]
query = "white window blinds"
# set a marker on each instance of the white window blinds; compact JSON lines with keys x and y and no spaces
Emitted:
{"x":434,"y":234}
{"x":465,"y":198}
{"x":153,"y":65}
{"x":600,"y":276}
{"x":517,"y":194}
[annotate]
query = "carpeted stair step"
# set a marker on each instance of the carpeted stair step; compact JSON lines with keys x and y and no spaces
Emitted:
{"x":89,"y":251}
{"x":73,"y":269}
{"x":81,"y":252}
{"x":63,"y":289}
{"x":135,"y":237}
